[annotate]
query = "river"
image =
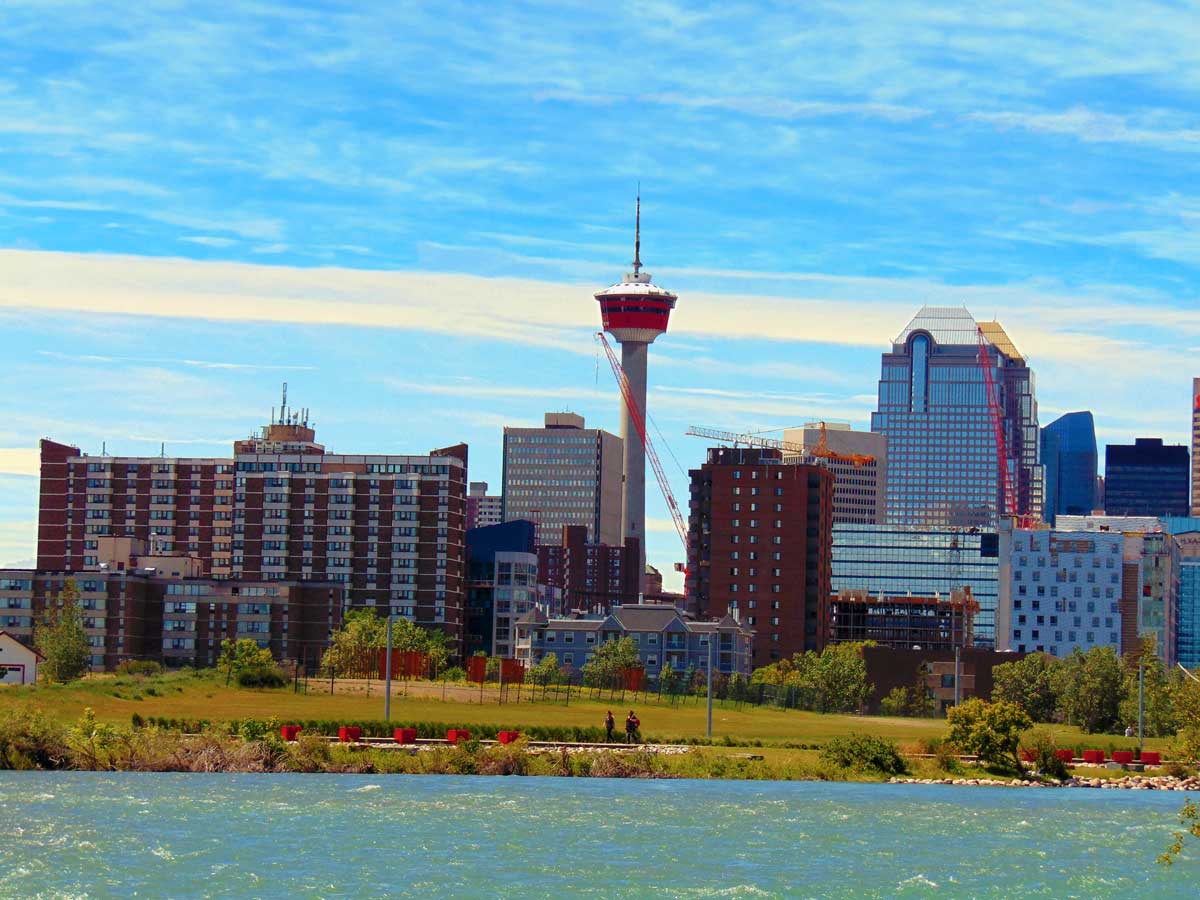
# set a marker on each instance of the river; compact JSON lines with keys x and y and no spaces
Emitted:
{"x":299,"y":836}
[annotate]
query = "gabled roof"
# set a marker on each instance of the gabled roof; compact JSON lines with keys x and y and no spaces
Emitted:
{"x":13,"y":638}
{"x":645,"y":617}
{"x":533,"y":617}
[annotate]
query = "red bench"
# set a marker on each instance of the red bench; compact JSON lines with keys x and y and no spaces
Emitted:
{"x":1151,"y":758}
{"x":1093,"y":756}
{"x":1028,"y":755}
{"x":455,"y":735}
{"x":507,"y":737}
{"x":349,"y":734}
{"x":1067,"y":756}
{"x":289,"y":732}
{"x":405,"y":735}
{"x":1124,"y":757}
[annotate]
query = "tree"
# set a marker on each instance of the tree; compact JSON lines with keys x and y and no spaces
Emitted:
{"x":992,"y":731}
{"x":60,"y":638}
{"x":841,"y":678}
{"x":1189,"y":818}
{"x":546,"y":670}
{"x":1089,"y":687}
{"x":1161,"y":687}
{"x":242,"y":656}
{"x":437,"y":647}
{"x":352,"y":648}
{"x":1029,"y":683}
{"x":610,"y":658}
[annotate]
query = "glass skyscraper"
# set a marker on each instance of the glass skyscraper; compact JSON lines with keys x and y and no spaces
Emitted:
{"x":933,"y":408}
{"x":1146,"y":478}
{"x":1069,"y":457}
{"x":896,"y":560}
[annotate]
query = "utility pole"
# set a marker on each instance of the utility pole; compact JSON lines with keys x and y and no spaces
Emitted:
{"x":387,"y":684}
{"x":710,"y":667}
{"x":1141,"y":701}
{"x":957,"y":676}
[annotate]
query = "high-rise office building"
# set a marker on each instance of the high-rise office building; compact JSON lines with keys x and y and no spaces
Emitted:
{"x":900,"y":560}
{"x":387,"y":529}
{"x":1146,"y":478}
{"x":1150,"y":591}
{"x":759,"y":547}
{"x":1068,"y":591}
{"x":1069,"y":457}
{"x":483,"y":509}
{"x":1186,"y":532}
{"x":943,"y":465}
{"x":1196,"y":446}
{"x":564,"y":474}
{"x":859,"y":469}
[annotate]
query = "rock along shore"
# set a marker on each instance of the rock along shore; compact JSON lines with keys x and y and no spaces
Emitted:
{"x":1130,"y":783}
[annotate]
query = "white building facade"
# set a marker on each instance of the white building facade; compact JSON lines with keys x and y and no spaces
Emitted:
{"x":18,"y":663}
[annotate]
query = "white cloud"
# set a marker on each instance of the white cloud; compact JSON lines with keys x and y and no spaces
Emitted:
{"x":20,"y":461}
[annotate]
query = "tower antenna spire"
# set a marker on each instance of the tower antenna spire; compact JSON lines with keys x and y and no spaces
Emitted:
{"x":283,"y":406}
{"x":637,"y":233}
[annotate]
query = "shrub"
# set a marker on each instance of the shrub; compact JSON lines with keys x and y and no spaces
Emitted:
{"x":992,"y":731}
{"x":865,"y":753}
{"x":29,"y":739}
{"x":143,"y":667}
{"x":1041,"y":745}
{"x":455,"y":673}
{"x":261,"y":676}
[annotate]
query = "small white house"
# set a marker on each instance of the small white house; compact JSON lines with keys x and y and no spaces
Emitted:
{"x":18,"y":663}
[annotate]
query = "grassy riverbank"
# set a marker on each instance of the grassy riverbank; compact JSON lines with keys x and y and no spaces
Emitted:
{"x":204,"y":696}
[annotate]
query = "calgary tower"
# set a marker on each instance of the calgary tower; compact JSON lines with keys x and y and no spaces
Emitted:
{"x":635,"y":312}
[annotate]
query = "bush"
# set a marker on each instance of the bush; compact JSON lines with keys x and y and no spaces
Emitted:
{"x":1041,"y":745}
{"x":455,"y":673}
{"x":144,"y":667}
{"x":864,"y":753}
{"x":261,"y":676}
{"x":29,"y":739}
{"x":992,"y":731}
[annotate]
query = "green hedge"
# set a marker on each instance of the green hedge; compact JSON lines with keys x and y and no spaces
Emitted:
{"x":379,"y":728}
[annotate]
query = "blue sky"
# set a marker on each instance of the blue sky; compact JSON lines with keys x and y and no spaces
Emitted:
{"x":403,"y":211}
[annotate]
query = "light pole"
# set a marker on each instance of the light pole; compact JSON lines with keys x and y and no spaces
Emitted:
{"x":387,"y":686}
{"x":710,"y":665}
{"x":1141,"y":701}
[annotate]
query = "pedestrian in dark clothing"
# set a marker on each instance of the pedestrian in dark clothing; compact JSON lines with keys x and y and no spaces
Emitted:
{"x":632,"y":724}
{"x":609,"y":724}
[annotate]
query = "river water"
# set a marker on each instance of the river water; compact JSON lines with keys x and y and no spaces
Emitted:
{"x":299,"y":836}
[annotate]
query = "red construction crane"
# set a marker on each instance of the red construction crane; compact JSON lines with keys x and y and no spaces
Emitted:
{"x":1006,"y":484}
{"x":639,"y":422}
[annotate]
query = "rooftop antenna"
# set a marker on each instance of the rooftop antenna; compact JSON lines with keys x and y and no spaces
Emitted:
{"x":283,"y":406}
{"x":162,"y":450}
{"x":104,"y":448}
{"x":637,"y":233}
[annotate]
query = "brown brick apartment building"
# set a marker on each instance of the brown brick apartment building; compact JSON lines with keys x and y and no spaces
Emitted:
{"x":594,"y":578}
{"x":761,"y":547}
{"x":387,"y":530}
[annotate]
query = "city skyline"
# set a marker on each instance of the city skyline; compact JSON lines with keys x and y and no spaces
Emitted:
{"x":174,"y":248}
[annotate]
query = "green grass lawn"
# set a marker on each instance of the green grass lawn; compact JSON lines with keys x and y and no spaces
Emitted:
{"x":187,"y":696}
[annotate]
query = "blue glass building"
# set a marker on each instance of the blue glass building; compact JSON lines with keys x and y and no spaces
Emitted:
{"x":1069,"y":456}
{"x":895,"y":560}
{"x":1146,"y":478}
{"x":943,"y":467}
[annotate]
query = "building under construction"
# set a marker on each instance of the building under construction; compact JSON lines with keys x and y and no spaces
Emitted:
{"x":904,"y":622}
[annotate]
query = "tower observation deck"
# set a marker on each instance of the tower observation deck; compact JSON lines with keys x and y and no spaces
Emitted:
{"x":635,"y":312}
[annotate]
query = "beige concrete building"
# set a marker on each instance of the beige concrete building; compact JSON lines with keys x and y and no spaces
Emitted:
{"x":564,"y":474}
{"x":859,"y":488}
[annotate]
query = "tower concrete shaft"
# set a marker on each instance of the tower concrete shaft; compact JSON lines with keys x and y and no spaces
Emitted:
{"x":634,"y":357}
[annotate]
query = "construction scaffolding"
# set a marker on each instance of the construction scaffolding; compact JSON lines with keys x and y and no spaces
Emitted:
{"x":904,"y":622}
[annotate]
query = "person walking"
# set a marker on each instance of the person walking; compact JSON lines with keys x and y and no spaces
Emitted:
{"x":632,"y":724}
{"x":609,"y":724}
